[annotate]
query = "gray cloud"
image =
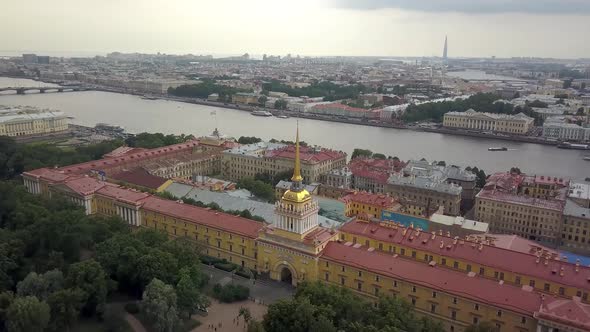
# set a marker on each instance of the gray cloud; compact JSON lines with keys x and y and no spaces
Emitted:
{"x":474,"y":6}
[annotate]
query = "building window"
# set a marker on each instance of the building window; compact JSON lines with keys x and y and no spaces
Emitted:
{"x":499,"y":313}
{"x":327,"y":276}
{"x":455,"y":265}
{"x":482,"y":271}
{"x":402,"y":251}
{"x":475,"y":320}
{"x":376,"y":291}
{"x":522,"y":320}
{"x":413,"y":254}
{"x":413,"y":289}
{"x":433,"y":308}
{"x":343,"y":269}
{"x":434,"y":295}
{"x":377,"y":278}
{"x":546,"y":287}
{"x":327,"y":264}
{"x":561,"y":291}
{"x":444,"y":261}
{"x":395,"y":283}
{"x":453,"y":315}
{"x":532,"y":283}
{"x":231,"y":248}
{"x":360,"y":274}
{"x":342,"y":281}
{"x":476,"y":307}
{"x":454,"y":300}
{"x":517,"y":280}
{"x":359,"y":286}
{"x":413,"y":301}
{"x":501,"y":275}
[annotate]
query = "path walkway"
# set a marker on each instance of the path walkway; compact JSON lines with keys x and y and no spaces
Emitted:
{"x":266,"y":292}
{"x":134,"y":323}
{"x":222,"y":317}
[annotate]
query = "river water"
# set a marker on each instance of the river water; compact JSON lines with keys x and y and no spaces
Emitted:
{"x":139,"y":115}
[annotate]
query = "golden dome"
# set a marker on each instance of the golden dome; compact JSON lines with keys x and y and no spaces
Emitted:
{"x":296,"y":196}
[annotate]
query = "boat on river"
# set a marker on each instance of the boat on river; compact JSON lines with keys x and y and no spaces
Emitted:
{"x":498,"y":149}
{"x":573,"y":146}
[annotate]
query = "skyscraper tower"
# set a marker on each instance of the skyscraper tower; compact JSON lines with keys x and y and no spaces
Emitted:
{"x":445,"y":50}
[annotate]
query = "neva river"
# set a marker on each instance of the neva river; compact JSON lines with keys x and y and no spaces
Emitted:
{"x":138,"y":115}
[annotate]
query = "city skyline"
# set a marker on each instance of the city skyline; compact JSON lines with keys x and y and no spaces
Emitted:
{"x":312,"y":28}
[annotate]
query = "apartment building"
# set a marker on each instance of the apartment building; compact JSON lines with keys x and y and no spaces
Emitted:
{"x":272,"y":158}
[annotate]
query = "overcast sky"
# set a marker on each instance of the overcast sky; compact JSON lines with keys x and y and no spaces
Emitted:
{"x":504,"y":28}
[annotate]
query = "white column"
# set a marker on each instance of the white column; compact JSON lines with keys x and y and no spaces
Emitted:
{"x":539,"y":328}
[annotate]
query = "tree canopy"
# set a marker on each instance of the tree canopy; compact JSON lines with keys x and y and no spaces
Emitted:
{"x":320,"y":307}
{"x":204,"y":89}
{"x":330,"y":91}
{"x":150,"y":141}
{"x":434,"y":111}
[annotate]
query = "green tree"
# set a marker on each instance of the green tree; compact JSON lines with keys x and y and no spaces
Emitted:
{"x":190,"y":298}
{"x":159,"y":304}
{"x":40,"y":285}
{"x":65,"y":308}
{"x":280,"y":104}
{"x":262,"y":100}
{"x":27,"y":314}
{"x":249,"y":140}
{"x":6,"y":299}
{"x":89,"y":277}
{"x":361,"y":153}
{"x":442,"y":163}
{"x":379,"y":156}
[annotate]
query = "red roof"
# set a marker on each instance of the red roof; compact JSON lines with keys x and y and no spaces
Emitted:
{"x":505,"y":181}
{"x":306,"y":154}
{"x":121,"y":194}
{"x":123,"y":150}
{"x":107,"y":163}
{"x":475,"y":288}
{"x":140,"y":177}
{"x":85,"y":185}
{"x":52,"y":175}
{"x":203,"y":216}
{"x":569,"y":312}
{"x":490,"y":256}
{"x":384,"y":201}
{"x":376,"y":169}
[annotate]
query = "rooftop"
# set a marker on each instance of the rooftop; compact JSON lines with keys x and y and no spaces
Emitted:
{"x":425,"y":183}
{"x":364,"y":197}
{"x":140,"y":177}
{"x":475,"y":288}
{"x":204,"y":216}
{"x":307,"y":154}
{"x":518,"y":262}
{"x":506,"y":197}
{"x":579,"y":191}
{"x":494,"y":116}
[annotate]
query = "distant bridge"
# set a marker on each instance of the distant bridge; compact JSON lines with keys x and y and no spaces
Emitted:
{"x":42,"y":89}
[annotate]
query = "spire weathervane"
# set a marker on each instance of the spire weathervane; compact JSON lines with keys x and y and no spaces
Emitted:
{"x":297,"y":170}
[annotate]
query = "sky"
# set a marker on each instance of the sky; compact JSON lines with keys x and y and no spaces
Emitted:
{"x":475,"y":28}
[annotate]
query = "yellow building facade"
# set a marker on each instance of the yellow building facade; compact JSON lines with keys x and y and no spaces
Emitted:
{"x":29,"y":122}
{"x":519,"y":124}
{"x":456,"y":281}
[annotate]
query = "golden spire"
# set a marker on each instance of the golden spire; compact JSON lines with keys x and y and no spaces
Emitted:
{"x":297,"y":171}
